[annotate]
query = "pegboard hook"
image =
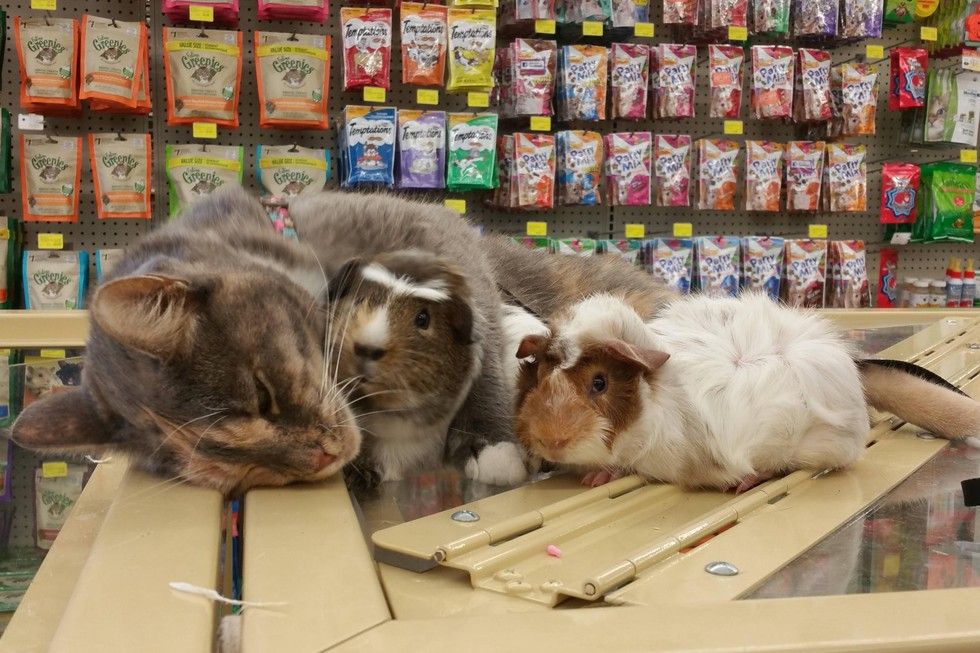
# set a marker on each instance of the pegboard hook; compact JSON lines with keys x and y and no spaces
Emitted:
{"x":120,"y":137}
{"x":294,"y":148}
{"x":292,"y":37}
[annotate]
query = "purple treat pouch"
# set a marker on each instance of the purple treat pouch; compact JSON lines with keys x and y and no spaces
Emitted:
{"x":422,"y":149}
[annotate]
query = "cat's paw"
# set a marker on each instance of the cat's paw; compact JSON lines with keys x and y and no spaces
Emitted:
{"x":230,"y":634}
{"x":497,"y":464}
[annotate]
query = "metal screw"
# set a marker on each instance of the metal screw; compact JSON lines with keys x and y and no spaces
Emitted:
{"x":721,"y":568}
{"x":925,"y":435}
{"x":465,"y":516}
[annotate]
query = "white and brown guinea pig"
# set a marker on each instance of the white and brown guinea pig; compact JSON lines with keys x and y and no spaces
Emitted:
{"x":715,"y":392}
{"x":402,"y":336}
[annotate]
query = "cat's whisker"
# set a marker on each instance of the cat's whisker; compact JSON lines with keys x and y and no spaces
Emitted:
{"x":345,"y":330}
{"x":203,"y":433}
{"x":159,"y":418}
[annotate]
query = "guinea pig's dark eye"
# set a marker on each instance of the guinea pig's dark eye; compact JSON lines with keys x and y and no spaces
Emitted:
{"x":598,"y":383}
{"x":263,"y":397}
{"x":422,"y":319}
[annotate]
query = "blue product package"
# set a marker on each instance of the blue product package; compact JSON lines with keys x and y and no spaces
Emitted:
{"x":762,"y":264}
{"x":54,"y":280}
{"x":717,"y":264}
{"x":670,"y":261}
{"x":368,"y":146}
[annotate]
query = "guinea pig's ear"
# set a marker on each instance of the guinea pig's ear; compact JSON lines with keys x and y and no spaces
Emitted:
{"x":461,"y":320}
{"x":532,"y":346}
{"x":647,"y":360}
{"x":343,"y":282}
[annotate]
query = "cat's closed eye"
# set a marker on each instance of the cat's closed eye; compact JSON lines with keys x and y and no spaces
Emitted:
{"x":265,"y":397}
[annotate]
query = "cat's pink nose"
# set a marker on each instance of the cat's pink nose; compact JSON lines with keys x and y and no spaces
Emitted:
{"x":322,"y":460}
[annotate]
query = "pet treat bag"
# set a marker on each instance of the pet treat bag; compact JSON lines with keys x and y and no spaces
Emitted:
{"x":121,"y":174}
{"x":472,"y":40}
{"x":575,"y":246}
{"x":368,"y":146}
{"x":204,"y":73}
{"x":887,"y":278}
{"x":367,"y":47}
{"x":580,"y":162}
{"x":50,"y":173}
{"x":851,"y":289}
{"x":762,"y":264}
{"x":806,"y":273}
{"x":720,"y":14}
{"x":48,"y":52}
{"x":293,"y":77}
{"x":112,"y":60}
{"x":675,"y":80}
{"x":534,"y":62}
{"x":472,"y":151}
{"x":681,"y":12}
{"x":105,"y":260}
{"x":629,"y":168}
{"x":815,"y":18}
{"x":907,"y":78}
{"x":846,"y":177}
{"x":421,"y":149}
{"x":6,"y":145}
{"x":898,"y":12}
{"x":725,"y":80}
{"x":813,"y":101}
{"x":899,"y":192}
{"x":583,"y":81}
{"x":423,"y":32}
{"x":285,"y":171}
{"x":196,"y":170}
{"x":716,"y":261}
{"x":502,"y":195}
{"x":717,"y":174}
{"x":628,"y":250}
{"x":763,"y":175}
{"x":10,"y":392}
{"x":861,"y":19}
{"x":770,"y":17}
{"x":672,"y":165}
{"x":315,"y":11}
{"x":804,"y":174}
{"x":772,"y":81}
{"x":940,"y":96}
{"x":859,"y":97}
{"x":669,"y":261}
{"x":54,"y":500}
{"x":535,"y":168}
{"x":10,"y":242}
{"x":629,"y":78}
{"x":583,"y":10}
{"x":951,"y":189}
{"x":54,"y":280}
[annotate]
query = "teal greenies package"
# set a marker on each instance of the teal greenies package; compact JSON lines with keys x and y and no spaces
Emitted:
{"x":951,"y":193}
{"x":291,"y":170}
{"x":5,"y":185}
{"x":10,"y":243}
{"x":105,"y":260}
{"x":197,"y":170}
{"x":9,"y":387}
{"x":472,"y":151}
{"x":54,"y":280}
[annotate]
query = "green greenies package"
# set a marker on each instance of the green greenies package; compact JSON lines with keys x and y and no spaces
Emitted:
{"x":9,"y":256}
{"x":5,"y":186}
{"x":951,"y":192}
{"x":291,"y":170}
{"x":472,"y":151}
{"x":196,"y":170}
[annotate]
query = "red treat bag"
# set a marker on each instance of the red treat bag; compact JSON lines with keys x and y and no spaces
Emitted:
{"x":899,"y":192}
{"x":887,"y":278}
{"x":907,"y":75}
{"x":534,"y":62}
{"x":725,"y":80}
{"x":812,"y":102}
{"x":367,"y":47}
{"x":423,"y":31}
{"x":772,"y":81}
{"x":629,"y":65}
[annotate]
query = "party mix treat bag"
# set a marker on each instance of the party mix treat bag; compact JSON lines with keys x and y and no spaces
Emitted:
{"x":672,"y":165}
{"x":629,"y":168}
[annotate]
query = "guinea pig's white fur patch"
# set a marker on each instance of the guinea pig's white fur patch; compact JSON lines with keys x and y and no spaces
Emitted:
{"x":433,"y":290}
{"x":374,"y":331}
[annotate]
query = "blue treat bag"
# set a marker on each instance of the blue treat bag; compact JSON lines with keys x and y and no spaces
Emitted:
{"x":368,"y":146}
{"x":717,"y":265}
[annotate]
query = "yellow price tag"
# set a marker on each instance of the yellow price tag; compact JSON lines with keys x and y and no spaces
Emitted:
{"x":635,"y":231}
{"x":592,"y":28}
{"x":928,"y":33}
{"x":541,"y":123}
{"x":374,"y":94}
{"x":968,"y":156}
{"x":544,"y":26}
{"x":204,"y":130}
{"x":4,"y":233}
{"x":201,"y":14}
{"x":537,"y":228}
{"x":818,"y":231}
{"x":427,"y":96}
{"x":44,"y":5}
{"x":683,"y":230}
{"x":459,"y":206}
{"x":55,"y":469}
{"x":57,"y":354}
{"x":50,"y":241}
{"x":737,"y":33}
{"x":874,"y":52}
{"x":734,"y":127}
{"x":474,"y":99}
{"x":643,"y":30}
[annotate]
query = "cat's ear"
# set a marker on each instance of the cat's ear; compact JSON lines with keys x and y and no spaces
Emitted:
{"x":342,"y":282}
{"x":61,"y":421}
{"x":646,"y":360}
{"x":154,"y":314}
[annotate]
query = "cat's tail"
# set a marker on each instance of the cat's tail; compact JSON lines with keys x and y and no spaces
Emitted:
{"x":918,"y":396}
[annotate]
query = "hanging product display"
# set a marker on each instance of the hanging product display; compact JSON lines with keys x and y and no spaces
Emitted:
{"x":627,"y":13}
{"x":121,"y":174}
{"x":680,"y":12}
{"x":670,"y":261}
{"x":859,"y":98}
{"x":846,"y":178}
{"x":629,"y":69}
{"x":285,"y":171}
{"x":534,"y":171}
{"x":762,"y":264}
{"x":887,"y":278}
{"x":772,"y":81}
{"x":47,"y":49}
{"x":112,"y":60}
{"x":629,"y":168}
{"x":178,"y":11}
{"x":472,"y":151}
{"x":716,"y":174}
{"x":367,"y":47}
{"x":423,"y":36}
{"x":716,"y":261}
{"x":50,"y":172}
{"x":899,"y":192}
{"x":315,"y":11}
{"x":421,"y":149}
{"x":628,"y":250}
{"x":898,"y":12}
{"x":582,"y":71}
{"x":861,"y":19}
{"x":907,"y":78}
{"x":472,"y":40}
{"x":367,"y":146}
{"x":292,"y":74}
{"x":814,"y":18}
{"x":721,"y":14}
{"x":770,"y":17}
{"x":725,"y":80}
{"x":54,"y":499}
{"x":763,"y":175}
{"x":675,"y":65}
{"x":195,"y":170}
{"x":945,"y":207}
{"x":806,"y":273}
{"x":812,"y":101}
{"x":10,"y":244}
{"x":533,"y":75}
{"x":672,"y":166}
{"x":579,"y":168}
{"x":54,"y":280}
{"x":203,"y":71}
{"x":804,"y":174}
{"x":143,"y":102}
{"x":105,"y":260}
{"x":6,"y":149}
{"x":848,"y":284}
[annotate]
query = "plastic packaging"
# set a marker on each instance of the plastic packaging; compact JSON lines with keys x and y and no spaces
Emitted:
{"x":423,"y":37}
{"x":772,"y":81}
{"x":629,"y":79}
{"x":804,"y":175}
{"x":367,"y":147}
{"x":675,"y":80}
{"x":629,"y":168}
{"x":672,"y":165}
{"x":716,"y":259}
{"x":763,"y":175}
{"x":725,"y":80}
{"x":121,"y":167}
{"x":367,"y":47}
{"x":899,"y":192}
{"x":293,"y":79}
{"x":472,"y":37}
{"x":580,"y":164}
{"x":472,"y":151}
{"x":203,"y":69}
{"x":717,"y":177}
{"x":196,"y":170}
{"x":421,"y":149}
{"x":583,"y":82}
{"x":50,"y":175}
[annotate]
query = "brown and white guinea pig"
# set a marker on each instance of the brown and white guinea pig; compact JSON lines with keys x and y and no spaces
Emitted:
{"x":402,"y":334}
{"x":714,"y":392}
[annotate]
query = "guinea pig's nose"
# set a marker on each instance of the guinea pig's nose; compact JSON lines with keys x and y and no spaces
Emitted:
{"x":369,"y":352}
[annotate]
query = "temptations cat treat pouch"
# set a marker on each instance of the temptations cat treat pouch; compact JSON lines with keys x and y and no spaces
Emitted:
{"x":472,"y":151}
{"x":806,"y":273}
{"x":804,"y":162}
{"x":672,"y":165}
{"x":367,"y":47}
{"x":725,"y":80}
{"x":580,"y":162}
{"x":293,"y":77}
{"x":54,"y":280}
{"x":203,"y":70}
{"x":368,"y":146}
{"x":50,"y":174}
{"x":629,"y":168}
{"x":762,"y":264}
{"x":812,"y":102}
{"x":423,"y":32}
{"x":196,"y":170}
{"x":629,"y":66}
{"x":907,"y":78}
{"x":285,"y":171}
{"x":48,"y":52}
{"x":763,"y":175}
{"x":717,"y":174}
{"x":472,"y":40}
{"x":846,"y":176}
{"x":121,"y":174}
{"x":772,"y":81}
{"x":716,"y":261}
{"x":899,"y":192}
{"x":583,"y":81}
{"x":675,"y":80}
{"x":112,"y":60}
{"x":421,"y":149}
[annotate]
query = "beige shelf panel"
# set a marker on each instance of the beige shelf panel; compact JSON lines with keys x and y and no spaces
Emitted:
{"x":32,"y":329}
